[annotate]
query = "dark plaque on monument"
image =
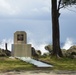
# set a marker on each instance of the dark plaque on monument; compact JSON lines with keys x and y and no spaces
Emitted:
{"x":20,"y":37}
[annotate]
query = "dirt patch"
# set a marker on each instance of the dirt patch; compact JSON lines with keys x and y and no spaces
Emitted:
{"x":40,"y":72}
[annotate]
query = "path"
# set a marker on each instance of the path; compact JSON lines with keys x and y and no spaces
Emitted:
{"x":39,"y":72}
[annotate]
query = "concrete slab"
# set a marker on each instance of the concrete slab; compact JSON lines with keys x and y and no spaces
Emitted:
{"x":35,"y":62}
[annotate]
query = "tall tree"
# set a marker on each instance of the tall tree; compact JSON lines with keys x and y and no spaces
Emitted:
{"x":55,"y":23}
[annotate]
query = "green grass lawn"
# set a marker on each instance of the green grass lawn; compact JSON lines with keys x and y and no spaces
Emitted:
{"x":62,"y":63}
{"x":7,"y":64}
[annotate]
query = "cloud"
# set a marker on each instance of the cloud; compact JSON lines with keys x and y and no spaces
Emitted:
{"x":24,"y":8}
{"x":45,"y":9}
{"x":7,"y":8}
{"x":35,"y":10}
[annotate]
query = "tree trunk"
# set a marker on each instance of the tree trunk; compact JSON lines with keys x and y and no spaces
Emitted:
{"x":55,"y":30}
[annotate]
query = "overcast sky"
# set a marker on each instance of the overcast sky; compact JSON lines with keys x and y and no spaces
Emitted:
{"x":34,"y":17}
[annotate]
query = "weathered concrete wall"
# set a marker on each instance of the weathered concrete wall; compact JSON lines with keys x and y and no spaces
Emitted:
{"x":21,"y":50}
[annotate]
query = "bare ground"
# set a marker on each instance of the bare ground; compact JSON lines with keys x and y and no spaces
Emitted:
{"x":39,"y":72}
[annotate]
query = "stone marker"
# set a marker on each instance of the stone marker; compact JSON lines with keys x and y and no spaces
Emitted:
{"x":20,"y":48}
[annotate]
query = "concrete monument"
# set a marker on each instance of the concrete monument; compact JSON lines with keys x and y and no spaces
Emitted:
{"x":20,"y":48}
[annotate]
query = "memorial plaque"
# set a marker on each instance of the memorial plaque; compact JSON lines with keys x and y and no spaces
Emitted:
{"x":20,"y":37}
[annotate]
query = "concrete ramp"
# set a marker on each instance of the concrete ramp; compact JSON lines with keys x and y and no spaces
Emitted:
{"x":35,"y":62}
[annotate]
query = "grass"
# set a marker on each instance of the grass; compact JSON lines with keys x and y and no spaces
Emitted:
{"x":62,"y":63}
{"x":7,"y":64}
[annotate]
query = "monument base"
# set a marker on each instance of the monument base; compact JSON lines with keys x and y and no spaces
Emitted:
{"x":21,"y":50}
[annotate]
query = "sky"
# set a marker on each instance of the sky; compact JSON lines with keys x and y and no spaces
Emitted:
{"x":34,"y":17}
